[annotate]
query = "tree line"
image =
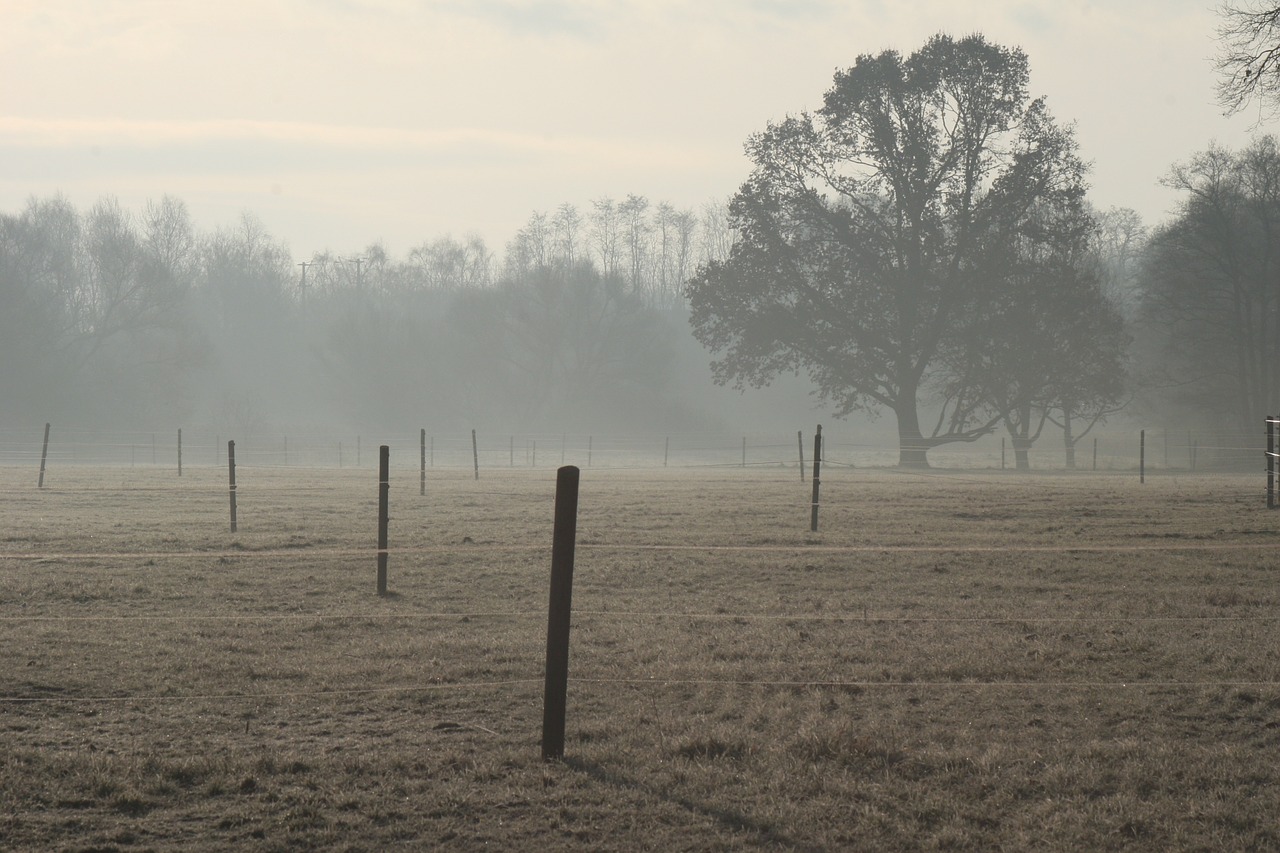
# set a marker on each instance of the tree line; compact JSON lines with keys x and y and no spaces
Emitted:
{"x":136,"y":318}
{"x":921,"y":245}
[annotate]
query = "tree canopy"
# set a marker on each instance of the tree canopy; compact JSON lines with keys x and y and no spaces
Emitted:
{"x":880,"y":238}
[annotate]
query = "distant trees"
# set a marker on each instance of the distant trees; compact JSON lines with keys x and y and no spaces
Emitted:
{"x":1209,"y":285}
{"x":908,"y":244}
{"x":94,"y":306}
{"x":113,"y":317}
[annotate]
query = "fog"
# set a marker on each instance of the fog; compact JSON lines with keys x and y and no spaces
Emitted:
{"x":140,"y":320}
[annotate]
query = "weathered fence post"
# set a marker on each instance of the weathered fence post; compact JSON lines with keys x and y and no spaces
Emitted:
{"x":744,"y":451}
{"x":561,"y":599}
{"x":1271,"y":462}
{"x":384,"y":495}
{"x":1142,"y":456}
{"x":44,"y":456}
{"x":589,"y":440}
{"x":817,"y":470}
{"x":231,"y":473}
{"x":513,"y":451}
{"x":666,"y":451}
{"x":1095,"y":454}
{"x":422,"y":464}
{"x":179,"y":451}
{"x":1002,"y":453}
{"x":475,"y":453}
{"x":800,"y":441}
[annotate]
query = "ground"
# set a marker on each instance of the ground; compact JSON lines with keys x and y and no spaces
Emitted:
{"x":956,"y":659}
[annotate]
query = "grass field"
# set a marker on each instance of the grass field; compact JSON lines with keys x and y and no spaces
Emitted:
{"x":955,"y":661}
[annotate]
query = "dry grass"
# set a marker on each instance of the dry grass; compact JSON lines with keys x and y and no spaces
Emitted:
{"x":955,"y":661}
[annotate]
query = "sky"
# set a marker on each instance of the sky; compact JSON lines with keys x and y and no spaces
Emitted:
{"x":338,"y":123}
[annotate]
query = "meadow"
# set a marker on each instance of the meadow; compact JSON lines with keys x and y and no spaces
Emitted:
{"x":955,"y":660}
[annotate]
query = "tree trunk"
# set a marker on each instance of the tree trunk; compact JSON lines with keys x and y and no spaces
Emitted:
{"x":1022,"y":439}
{"x":1021,"y":458}
{"x":912,"y":449}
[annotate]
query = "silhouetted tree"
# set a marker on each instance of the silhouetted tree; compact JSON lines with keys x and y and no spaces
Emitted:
{"x":1209,"y":285}
{"x":861,"y":233}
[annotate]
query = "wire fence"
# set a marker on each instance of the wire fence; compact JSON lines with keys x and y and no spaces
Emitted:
{"x":13,"y":560}
{"x":1115,"y":450}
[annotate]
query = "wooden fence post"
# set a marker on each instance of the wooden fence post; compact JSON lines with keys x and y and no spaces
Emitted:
{"x":1271,"y":462}
{"x":666,"y":451}
{"x":475,"y":453}
{"x":44,"y":455}
{"x":817,"y":470}
{"x":384,"y":494}
{"x":1142,"y":456}
{"x":179,"y":451}
{"x":744,"y":451}
{"x":1095,"y":454}
{"x":561,"y":599}
{"x":800,"y":441}
{"x":422,"y":464}
{"x":231,"y":473}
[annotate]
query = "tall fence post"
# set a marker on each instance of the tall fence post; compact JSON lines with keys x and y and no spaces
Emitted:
{"x":1002,"y":453}
{"x":422,"y":463}
{"x":800,"y":441}
{"x":475,"y":453}
{"x":1142,"y":456}
{"x":557,"y":679}
{"x":589,"y":441}
{"x":817,"y":470}
{"x":231,"y":473}
{"x":1271,"y":462}
{"x":666,"y":451}
{"x":1095,"y":454}
{"x":179,"y":451}
{"x":44,"y":455}
{"x":384,"y":496}
{"x":744,"y":451}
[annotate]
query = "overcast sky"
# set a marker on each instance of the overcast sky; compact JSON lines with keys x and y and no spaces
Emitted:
{"x":342,"y":122}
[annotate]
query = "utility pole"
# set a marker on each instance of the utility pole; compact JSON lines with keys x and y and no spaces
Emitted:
{"x":304,"y":265}
{"x":358,"y":262}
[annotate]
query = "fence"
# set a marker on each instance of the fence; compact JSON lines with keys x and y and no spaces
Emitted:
{"x":1110,"y":451}
{"x":799,"y":510}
